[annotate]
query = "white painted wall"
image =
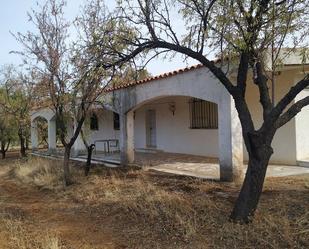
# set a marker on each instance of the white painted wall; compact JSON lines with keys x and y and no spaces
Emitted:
{"x":198,"y":83}
{"x":291,"y":143}
{"x":105,"y":131}
{"x":46,"y":113}
{"x":284,"y":143}
{"x":49,"y":115}
{"x":173,"y":132}
{"x":302,"y":130}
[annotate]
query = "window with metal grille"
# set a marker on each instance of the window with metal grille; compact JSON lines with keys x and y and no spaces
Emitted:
{"x":116,"y":121}
{"x":203,"y":114}
{"x":94,"y":122}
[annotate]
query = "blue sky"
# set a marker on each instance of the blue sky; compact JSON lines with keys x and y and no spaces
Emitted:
{"x":13,"y":17}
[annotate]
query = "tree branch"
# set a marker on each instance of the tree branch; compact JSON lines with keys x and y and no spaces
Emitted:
{"x":292,"y":112}
{"x":261,"y":81}
{"x":243,"y":72}
{"x":289,"y":97}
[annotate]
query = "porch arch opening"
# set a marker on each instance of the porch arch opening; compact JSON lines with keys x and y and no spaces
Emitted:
{"x":43,"y":134}
{"x":177,"y":132}
{"x":42,"y":130}
{"x":224,"y":143}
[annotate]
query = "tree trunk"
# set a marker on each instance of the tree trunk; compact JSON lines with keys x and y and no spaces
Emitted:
{"x":27,"y":144}
{"x":4,"y":148}
{"x":3,"y":154}
{"x":3,"y":151}
{"x":23,"y":149}
{"x":252,"y":187}
{"x":22,"y":144}
{"x":89,"y":155}
{"x":66,"y":166}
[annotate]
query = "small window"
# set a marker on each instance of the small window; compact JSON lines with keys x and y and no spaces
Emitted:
{"x":116,"y":121}
{"x":203,"y":114}
{"x":94,"y":123}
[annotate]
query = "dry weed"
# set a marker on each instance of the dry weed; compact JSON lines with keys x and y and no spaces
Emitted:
{"x":148,"y":210}
{"x":20,"y":238}
{"x":46,"y":174}
{"x":40,"y":172}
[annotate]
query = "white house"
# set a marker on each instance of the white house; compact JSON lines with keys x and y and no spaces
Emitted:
{"x":187,"y":111}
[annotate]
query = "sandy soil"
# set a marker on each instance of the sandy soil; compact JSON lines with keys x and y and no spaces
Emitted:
{"x":44,"y":209}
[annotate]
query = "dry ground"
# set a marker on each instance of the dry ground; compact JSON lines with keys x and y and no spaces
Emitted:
{"x":138,"y":209}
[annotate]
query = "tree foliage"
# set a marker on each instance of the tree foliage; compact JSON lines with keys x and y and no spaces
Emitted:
{"x":15,"y":102}
{"x":8,"y":133}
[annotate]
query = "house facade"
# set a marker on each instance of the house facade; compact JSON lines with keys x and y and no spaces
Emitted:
{"x":189,"y":112}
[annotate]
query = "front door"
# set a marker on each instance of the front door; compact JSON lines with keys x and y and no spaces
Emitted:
{"x":151,"y":136}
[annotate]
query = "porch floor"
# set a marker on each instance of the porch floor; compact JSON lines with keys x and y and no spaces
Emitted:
{"x":203,"y":167}
{"x":181,"y":164}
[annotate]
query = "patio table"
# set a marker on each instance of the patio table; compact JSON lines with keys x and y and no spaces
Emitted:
{"x":108,"y":143}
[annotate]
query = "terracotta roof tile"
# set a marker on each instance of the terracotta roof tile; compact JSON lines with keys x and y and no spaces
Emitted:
{"x":152,"y":78}
{"x":130,"y":84}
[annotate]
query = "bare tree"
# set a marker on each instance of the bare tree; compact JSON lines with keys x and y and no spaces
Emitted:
{"x":74,"y":80}
{"x":241,"y":32}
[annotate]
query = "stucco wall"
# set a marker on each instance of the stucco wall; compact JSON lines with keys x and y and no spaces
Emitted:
{"x":291,"y":143}
{"x":284,"y":143}
{"x":105,"y":131}
{"x":173,"y":132}
{"x":46,"y":113}
{"x":302,"y":130}
{"x":174,"y":135}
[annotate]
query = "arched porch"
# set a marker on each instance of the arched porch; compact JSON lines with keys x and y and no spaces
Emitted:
{"x":199,"y":84}
{"x":49,"y":116}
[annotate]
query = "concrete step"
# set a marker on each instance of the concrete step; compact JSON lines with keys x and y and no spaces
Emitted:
{"x":148,"y":150}
{"x":303,"y":163}
{"x":105,"y":161}
{"x":108,"y":162}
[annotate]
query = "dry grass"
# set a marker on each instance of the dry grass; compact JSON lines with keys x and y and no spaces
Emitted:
{"x":46,"y":174}
{"x":139,"y":209}
{"x":176,"y":212}
{"x":41,"y":173}
{"x":20,"y":238}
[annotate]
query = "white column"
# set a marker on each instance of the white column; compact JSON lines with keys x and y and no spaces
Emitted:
{"x":230,"y":141}
{"x":301,"y":125}
{"x":78,"y":146}
{"x":127,"y":138}
{"x":52,"y":136}
{"x":34,"y":135}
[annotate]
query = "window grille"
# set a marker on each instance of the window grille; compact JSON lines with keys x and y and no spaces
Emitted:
{"x":94,"y":123}
{"x":116,"y":121}
{"x":203,"y":114}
